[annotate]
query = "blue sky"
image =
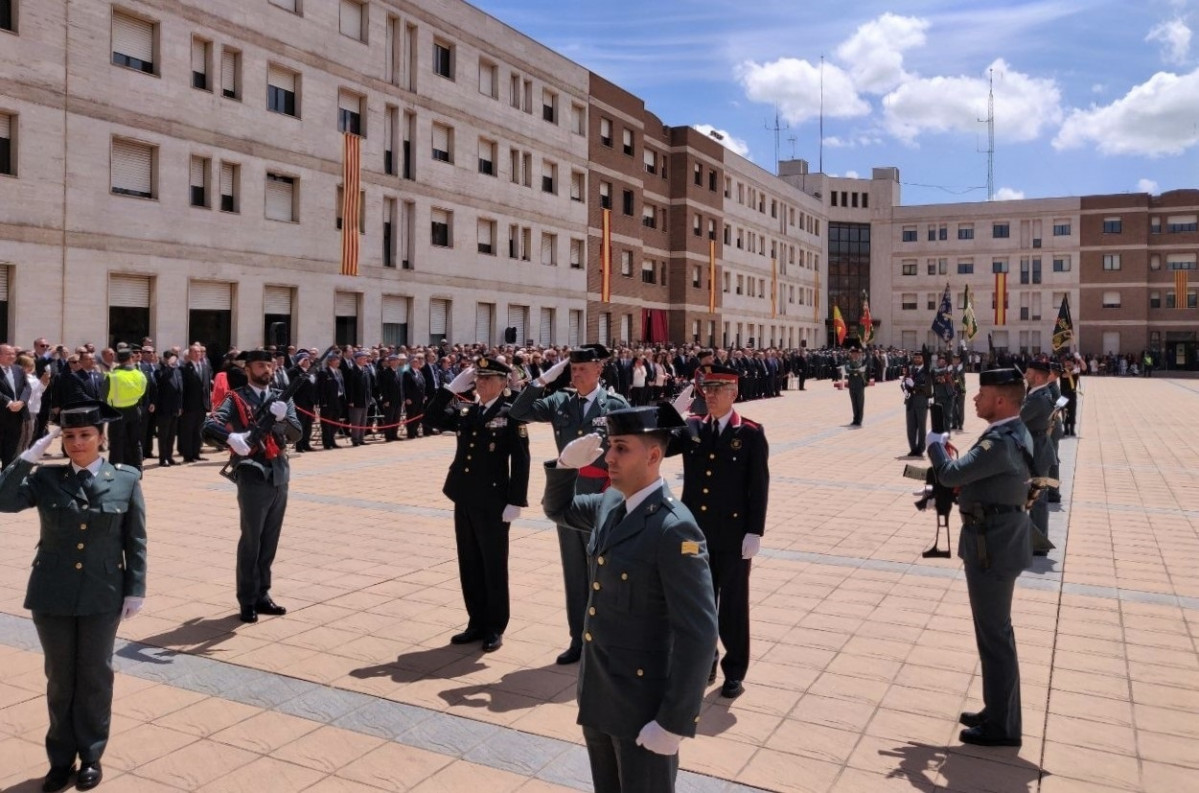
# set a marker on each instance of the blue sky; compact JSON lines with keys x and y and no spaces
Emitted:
{"x":1091,"y":96}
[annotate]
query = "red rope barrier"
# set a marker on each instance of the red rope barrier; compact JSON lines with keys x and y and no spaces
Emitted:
{"x":355,"y":426}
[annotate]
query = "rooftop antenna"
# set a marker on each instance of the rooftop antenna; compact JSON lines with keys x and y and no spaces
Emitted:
{"x":791,"y":139}
{"x":777,"y":128}
{"x":821,"y":164}
{"x":990,"y":122}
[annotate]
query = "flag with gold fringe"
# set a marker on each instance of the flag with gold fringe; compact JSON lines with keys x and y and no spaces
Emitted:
{"x":943,"y":322}
{"x":865,"y":322}
{"x":351,"y":201}
{"x":840,"y":330}
{"x":969,"y":323}
{"x":606,"y":257}
{"x":1063,"y":330}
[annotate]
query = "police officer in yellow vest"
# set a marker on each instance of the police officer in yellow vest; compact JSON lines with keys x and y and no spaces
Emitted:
{"x":123,"y":390}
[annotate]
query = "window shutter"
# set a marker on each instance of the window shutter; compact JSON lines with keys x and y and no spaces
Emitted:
{"x":395,"y":310}
{"x":197,"y":171}
{"x":603,"y":328}
{"x":547,"y":249}
{"x":276,"y":300}
{"x":129,"y":291}
{"x":439,"y":315}
{"x":3,"y":284}
{"x":210,"y":296}
{"x":348,"y":101}
{"x":287,"y":5}
{"x":486,"y":79}
{"x":518,"y":317}
{"x":133,"y":37}
{"x":228,"y":71}
{"x":650,"y":159}
{"x":278,"y":199}
{"x":546,"y":335}
{"x":132,"y":167}
{"x":484,"y":321}
{"x":345,"y":304}
{"x":485,"y":232}
{"x":575,"y":320}
{"x":441,"y":137}
{"x":351,"y":18}
{"x":226,"y":178}
{"x":281,"y":78}
{"x":626,"y":328}
{"x":199,"y":53}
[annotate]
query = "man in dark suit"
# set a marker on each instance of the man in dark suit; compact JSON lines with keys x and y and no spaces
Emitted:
{"x":488,"y":482}
{"x":651,"y":622}
{"x":168,"y":406}
{"x":412,"y":384}
{"x":197,"y":401}
{"x":261,"y":472}
{"x":430,"y":371}
{"x":331,"y":390}
{"x":305,"y":399}
{"x":726,"y":483}
{"x":14,"y":395}
{"x":391,"y":397}
{"x":360,"y":392}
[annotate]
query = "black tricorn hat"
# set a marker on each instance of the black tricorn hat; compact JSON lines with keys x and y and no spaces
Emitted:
{"x":853,"y":343}
{"x":1040,"y":366}
{"x":1001,"y":377}
{"x":661,"y":419}
{"x":487,"y":367}
{"x":589,"y":353}
{"x":87,"y":413}
{"x":249,"y":356}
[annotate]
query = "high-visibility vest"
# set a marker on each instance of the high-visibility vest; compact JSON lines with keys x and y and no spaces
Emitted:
{"x":125,"y":387}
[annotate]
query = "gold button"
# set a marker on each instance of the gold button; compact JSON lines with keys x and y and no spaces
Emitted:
{"x":640,"y":673}
{"x":697,"y":719}
{"x":468,"y":456}
{"x":587,"y":636}
{"x":703,"y":508}
{"x":472,"y":446}
{"x":580,"y":432}
{"x":595,"y":585}
{"x":466,"y":470}
{"x":705,"y":491}
{"x":711,"y":457}
{"x":600,"y":560}
{"x":707,"y":473}
{"x":79,"y":547}
{"x":624,"y":576}
{"x":591,"y":611}
{"x":734,"y":514}
{"x":82,"y":526}
{"x":78,"y":565}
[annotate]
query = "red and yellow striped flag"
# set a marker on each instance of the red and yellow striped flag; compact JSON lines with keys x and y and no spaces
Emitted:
{"x":1000,"y":298}
{"x":351,"y":201}
{"x":606,"y":257}
{"x":1180,"y":289}
{"x":711,"y":276}
{"x":774,"y":287}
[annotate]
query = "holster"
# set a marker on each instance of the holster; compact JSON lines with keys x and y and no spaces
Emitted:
{"x":976,"y":521}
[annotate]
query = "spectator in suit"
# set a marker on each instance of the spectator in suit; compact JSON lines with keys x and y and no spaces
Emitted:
{"x":14,"y":398}
{"x":197,"y":396}
{"x":331,"y":390}
{"x":360,"y":392}
{"x":412,"y":385}
{"x":149,"y":366}
{"x":305,"y":399}
{"x":168,"y":406}
{"x":431,"y":373}
{"x":391,"y":397}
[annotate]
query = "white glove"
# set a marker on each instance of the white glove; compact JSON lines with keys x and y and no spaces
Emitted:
{"x":750,"y":545}
{"x":131,"y":607}
{"x":909,"y":382}
{"x":682,"y":403}
{"x":463,"y":381}
{"x":511,"y":513}
{"x":1061,"y":402}
{"x":279,"y":409}
{"x":35,"y":452}
{"x":581,"y":451}
{"x":237,"y":442}
{"x":554,"y":372}
{"x":935,"y":437}
{"x":658,"y":740}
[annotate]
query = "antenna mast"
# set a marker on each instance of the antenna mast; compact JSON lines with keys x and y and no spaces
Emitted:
{"x":777,"y":128}
{"x":990,"y":121}
{"x":821,"y":164}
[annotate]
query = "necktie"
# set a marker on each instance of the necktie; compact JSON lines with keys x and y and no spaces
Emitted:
{"x":713,"y":431}
{"x":84,"y":476}
{"x":614,"y":519}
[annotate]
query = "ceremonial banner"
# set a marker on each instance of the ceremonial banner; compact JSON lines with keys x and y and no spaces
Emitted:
{"x":1000,"y":298}
{"x":943,"y":322}
{"x":1063,"y":331}
{"x":606,"y":257}
{"x":839,"y":328}
{"x":711,"y":276}
{"x":351,"y":201}
{"x":969,"y":323}
{"x":866,"y":322}
{"x":1180,"y":289}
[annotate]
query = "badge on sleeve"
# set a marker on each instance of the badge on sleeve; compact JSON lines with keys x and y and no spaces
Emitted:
{"x":522,"y":430}
{"x":690,"y":548}
{"x":986,"y":445}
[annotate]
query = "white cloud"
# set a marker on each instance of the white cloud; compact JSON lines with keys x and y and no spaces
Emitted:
{"x":1148,"y":186}
{"x":793,"y":86}
{"x":1153,"y":119}
{"x":735,"y":145}
{"x":875,"y":52}
{"x":1024,"y":105}
{"x":1175,"y":39}
{"x":1098,"y":88}
{"x":852,"y":141}
{"x":1009,"y":194}
{"x":852,"y":175}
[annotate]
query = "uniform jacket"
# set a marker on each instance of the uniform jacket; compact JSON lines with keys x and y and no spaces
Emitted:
{"x":197,"y":389}
{"x":305,"y":396}
{"x":359,"y":385}
{"x":413,"y":384}
{"x":994,"y":472}
{"x":856,"y":375}
{"x":491,"y":465}
{"x":168,"y":391}
{"x":650,"y":630}
{"x":226,"y":419}
{"x":331,"y":392}
{"x":91,"y":551}
{"x":391,"y":392}
{"x":726,"y":481}
{"x":1037,"y":415}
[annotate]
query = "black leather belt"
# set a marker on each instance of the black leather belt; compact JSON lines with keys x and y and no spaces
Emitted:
{"x":991,"y":509}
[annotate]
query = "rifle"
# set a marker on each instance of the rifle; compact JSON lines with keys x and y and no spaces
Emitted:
{"x":943,"y":497}
{"x":263,"y":421}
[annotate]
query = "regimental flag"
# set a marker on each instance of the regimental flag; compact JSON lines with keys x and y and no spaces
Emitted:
{"x":711,"y":276}
{"x":774,"y":287}
{"x":1000,"y":299}
{"x":839,"y":328}
{"x":1180,"y":289}
{"x":969,"y":323}
{"x":606,"y":257}
{"x":866,"y":322}
{"x":943,"y":322}
{"x":351,"y":201}
{"x":1063,"y":331}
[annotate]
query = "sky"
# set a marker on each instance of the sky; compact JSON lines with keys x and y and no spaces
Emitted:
{"x":1090,"y":96}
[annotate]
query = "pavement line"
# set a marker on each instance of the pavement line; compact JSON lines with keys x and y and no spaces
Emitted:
{"x":495,"y":746}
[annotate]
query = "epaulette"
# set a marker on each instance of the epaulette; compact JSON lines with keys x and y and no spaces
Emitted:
{"x":751,"y":424}
{"x":128,"y":469}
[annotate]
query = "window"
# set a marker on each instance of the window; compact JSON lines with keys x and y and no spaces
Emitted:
{"x":1061,"y":264}
{"x":576,"y":254}
{"x":740,"y":284}
{"x":712,"y":187}
{"x":932,"y":266}
{"x":288,"y":5}
{"x":909,"y":233}
{"x":577,"y":185}
{"x":282,"y":91}
{"x":229,"y":181}
{"x":514,"y":90}
{"x":965,"y":267}
{"x":965,"y":232}
{"x":626,"y":263}
{"x":711,"y":229}
{"x":1155,"y":300}
{"x":549,"y":249}
{"x":1113,"y":226}
{"x":198,"y":182}
{"x":201,"y":63}
{"x":697,"y":225}
{"x":8,"y":17}
{"x":488,"y":79}
{"x":349,"y":113}
{"x":1061,"y":228}
{"x":133,"y":42}
{"x":999,"y":266}
{"x":443,"y":142}
{"x":696,"y":275}
{"x":606,"y":131}
{"x":1001,"y":231}
{"x":626,"y":137}
{"x":133,"y":168}
{"x":549,"y":106}
{"x":230,"y":73}
{"x":909,"y":267}
{"x":932,"y":233}
{"x":649,"y":217}
{"x":389,"y":242}
{"x":486,"y":157}
{"x":549,"y":177}
{"x":605,"y":189}
{"x":1177,"y":224}
{"x":353,"y":20}
{"x":443,"y":59}
{"x":440,"y":222}
{"x":578,"y":119}
{"x":1036,"y":270}
{"x":8,"y":149}
{"x":931,"y":301}
{"x":648,"y":272}
{"x":1180,"y":261}
{"x":1155,"y":225}
{"x":908,"y":301}
{"x":628,"y":202}
{"x":942,"y":266}
{"x":651,"y":161}
{"x":943,"y":232}
{"x":281,"y":194}
{"x":698,"y":175}
{"x":1111,"y":261}
{"x":486,"y":236}
{"x":1111,"y":299}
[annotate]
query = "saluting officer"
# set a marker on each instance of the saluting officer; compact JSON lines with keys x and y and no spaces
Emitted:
{"x":88,"y":575}
{"x":262,"y":473}
{"x":958,"y":368}
{"x":488,"y":483}
{"x":651,"y":621}
{"x":1037,"y":413}
{"x":726,"y":484}
{"x":856,"y":377}
{"x":994,"y":545}
{"x":574,"y":412}
{"x":916,"y":391}
{"x":944,"y":390}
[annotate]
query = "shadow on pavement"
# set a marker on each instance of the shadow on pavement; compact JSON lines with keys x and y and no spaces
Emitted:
{"x":1000,"y":771}
{"x":519,"y":689}
{"x":197,"y":636}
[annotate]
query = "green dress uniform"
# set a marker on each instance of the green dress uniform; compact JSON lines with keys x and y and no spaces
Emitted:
{"x":945,"y":393}
{"x":1037,"y":414}
{"x":856,"y":377}
{"x":994,"y":546}
{"x":959,"y":395}
{"x":91,"y":555}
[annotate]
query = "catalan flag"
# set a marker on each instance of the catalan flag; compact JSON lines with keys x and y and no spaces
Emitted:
{"x":969,"y":323}
{"x":839,"y":327}
{"x":351,"y":201}
{"x":1180,"y":289}
{"x":1000,"y":299}
{"x":606,"y":257}
{"x":1063,"y":331}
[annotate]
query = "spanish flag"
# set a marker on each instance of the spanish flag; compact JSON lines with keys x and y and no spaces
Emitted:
{"x":351,"y":201}
{"x":1000,"y":299}
{"x":1180,"y":289}
{"x":839,"y":327}
{"x":711,"y":276}
{"x":606,"y":258}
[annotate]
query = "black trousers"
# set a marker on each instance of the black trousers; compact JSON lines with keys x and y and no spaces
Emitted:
{"x":329,"y":431}
{"x":619,"y":765}
{"x":857,"y":400}
{"x":482,"y":540}
{"x":262,"y":504}
{"x":917,"y":420}
{"x":189,"y":434}
{"x":125,"y":438}
{"x":11,"y":426}
{"x":78,"y":653}
{"x":730,"y":579}
{"x":411,"y":427}
{"x":149,"y":430}
{"x":991,"y":608}
{"x":305,"y":442}
{"x":168,"y":427}
{"x":391,"y":415}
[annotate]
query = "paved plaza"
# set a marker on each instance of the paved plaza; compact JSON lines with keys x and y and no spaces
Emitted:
{"x":863,"y":651}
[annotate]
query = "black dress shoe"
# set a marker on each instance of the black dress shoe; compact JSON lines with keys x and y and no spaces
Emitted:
{"x":977,"y":737}
{"x":570,"y":655}
{"x":732,"y":689}
{"x":58,"y":778}
{"x":969,"y":719}
{"x":268,"y":606}
{"x":493,"y":642}
{"x":248,"y":615}
{"x":467,"y":636}
{"x":90,"y":775}
{"x":712,"y":674}
{"x":200,"y":458}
